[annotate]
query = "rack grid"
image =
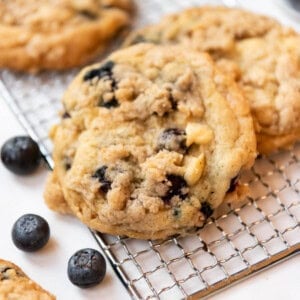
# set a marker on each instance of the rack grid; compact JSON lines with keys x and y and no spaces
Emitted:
{"x":238,"y":241}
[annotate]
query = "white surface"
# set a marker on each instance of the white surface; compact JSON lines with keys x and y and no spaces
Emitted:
{"x":20,"y":195}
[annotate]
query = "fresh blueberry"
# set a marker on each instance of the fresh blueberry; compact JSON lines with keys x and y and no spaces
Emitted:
{"x":100,"y":174}
{"x":206,"y":209}
{"x":21,"y":155}
{"x":172,"y":139}
{"x":86,"y":268}
{"x":30,"y":232}
{"x":177,"y":187}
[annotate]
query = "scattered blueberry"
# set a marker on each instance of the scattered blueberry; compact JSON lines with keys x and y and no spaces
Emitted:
{"x":21,"y":155}
{"x":86,"y":268}
{"x":100,"y":174}
{"x":172,"y":139}
{"x":30,"y":232}
{"x":178,"y":187}
{"x":206,"y":209}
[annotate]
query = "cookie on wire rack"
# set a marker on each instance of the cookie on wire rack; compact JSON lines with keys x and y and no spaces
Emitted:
{"x":15,"y":284}
{"x":261,"y":55}
{"x":152,"y":142}
{"x":58,"y":34}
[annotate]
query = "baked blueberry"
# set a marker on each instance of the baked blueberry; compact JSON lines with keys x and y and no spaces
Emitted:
{"x":104,"y":71}
{"x":138,"y":39}
{"x":66,"y":115}
{"x":67,"y":162}
{"x":100,"y":174}
{"x":172,"y":100}
{"x":172,"y":139}
{"x":177,"y":187}
{"x":86,"y":268}
{"x":206,"y":209}
{"x":21,"y":155}
{"x":88,"y":14}
{"x":30,"y":233}
{"x":233,"y":184}
{"x":109,"y":104}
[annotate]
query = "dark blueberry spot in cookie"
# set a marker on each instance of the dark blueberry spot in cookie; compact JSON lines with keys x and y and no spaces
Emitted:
{"x":233,"y":184}
{"x":172,"y":139}
{"x":3,"y":274}
{"x":172,"y":100}
{"x":206,"y":209}
{"x":100,"y":174}
{"x":86,"y":268}
{"x":176,"y":212}
{"x":88,"y":14}
{"x":177,"y":187}
{"x":109,"y":104}
{"x":103,"y":71}
{"x":67,"y":162}
{"x":138,"y":39}
{"x":5,"y":269}
{"x":66,"y":115}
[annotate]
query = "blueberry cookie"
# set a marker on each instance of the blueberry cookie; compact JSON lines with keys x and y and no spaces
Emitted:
{"x":57,"y":34}
{"x":153,"y":141}
{"x":15,"y":285}
{"x":262,"y":55}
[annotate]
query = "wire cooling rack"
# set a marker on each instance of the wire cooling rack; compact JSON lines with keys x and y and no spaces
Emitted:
{"x":236,"y":243}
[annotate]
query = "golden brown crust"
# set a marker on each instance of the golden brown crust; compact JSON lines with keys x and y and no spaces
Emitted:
{"x":154,"y":138}
{"x":262,"y":55}
{"x":16,"y":285}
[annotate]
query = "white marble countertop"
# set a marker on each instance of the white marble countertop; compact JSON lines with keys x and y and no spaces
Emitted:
{"x":20,"y":195}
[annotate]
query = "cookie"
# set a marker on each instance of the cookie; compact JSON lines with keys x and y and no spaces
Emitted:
{"x":57,"y":34}
{"x":153,"y":142}
{"x":262,"y":55}
{"x":16,"y":285}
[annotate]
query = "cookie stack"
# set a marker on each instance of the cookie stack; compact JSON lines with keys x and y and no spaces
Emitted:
{"x":153,"y":139}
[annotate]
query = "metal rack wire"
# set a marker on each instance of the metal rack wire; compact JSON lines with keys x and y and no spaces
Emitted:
{"x":237,"y":243}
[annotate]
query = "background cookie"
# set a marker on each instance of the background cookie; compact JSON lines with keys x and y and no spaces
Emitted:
{"x":57,"y":34}
{"x":14,"y":284}
{"x":154,"y":140}
{"x":258,"y":52}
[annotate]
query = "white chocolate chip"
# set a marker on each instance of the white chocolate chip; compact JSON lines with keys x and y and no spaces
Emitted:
{"x":194,"y":168}
{"x":198,"y":134}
